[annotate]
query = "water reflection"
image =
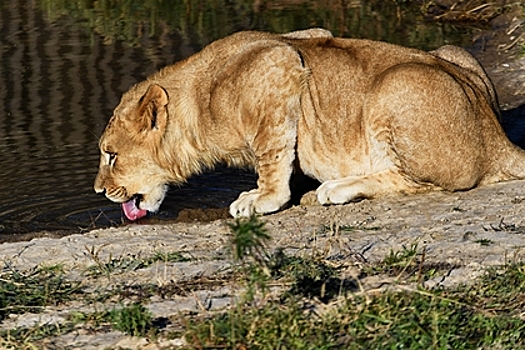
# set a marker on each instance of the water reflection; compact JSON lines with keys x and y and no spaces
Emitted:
{"x":64,"y":65}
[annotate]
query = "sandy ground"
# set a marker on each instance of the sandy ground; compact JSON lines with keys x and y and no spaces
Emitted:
{"x":448,"y":227}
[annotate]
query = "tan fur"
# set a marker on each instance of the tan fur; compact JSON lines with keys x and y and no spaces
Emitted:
{"x":466,"y":61}
{"x":364,"y":118}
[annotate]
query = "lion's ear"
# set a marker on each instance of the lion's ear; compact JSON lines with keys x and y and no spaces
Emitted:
{"x":152,"y":113}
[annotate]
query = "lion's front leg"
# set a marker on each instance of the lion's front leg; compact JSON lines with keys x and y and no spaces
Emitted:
{"x":274,"y":148}
{"x":273,"y":191}
{"x":270,"y":111}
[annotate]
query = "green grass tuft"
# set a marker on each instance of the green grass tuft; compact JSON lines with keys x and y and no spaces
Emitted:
{"x":484,"y":242}
{"x":249,"y":239}
{"x":133,"y":319}
{"x":30,"y":291}
{"x":128,"y":262}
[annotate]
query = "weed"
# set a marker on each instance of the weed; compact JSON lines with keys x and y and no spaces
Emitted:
{"x":249,"y":250}
{"x":93,"y":319}
{"x":249,"y":239}
{"x":521,"y":50}
{"x":133,"y":319}
{"x":128,"y":263}
{"x":310,"y":277}
{"x":397,"y":263}
{"x":272,"y":326}
{"x":346,"y":228}
{"x":25,"y":338}
{"x":484,"y":241}
{"x":161,"y":256}
{"x":113,"y":266}
{"x":503,"y":226}
{"x":487,"y":314}
{"x":30,"y":291}
{"x":407,"y":264}
{"x":401,"y":258}
{"x":499,"y":290}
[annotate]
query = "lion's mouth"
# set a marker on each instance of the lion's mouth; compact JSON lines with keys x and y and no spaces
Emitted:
{"x":131,"y":209}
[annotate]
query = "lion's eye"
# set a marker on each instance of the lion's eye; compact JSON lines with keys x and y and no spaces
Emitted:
{"x":111,"y":158}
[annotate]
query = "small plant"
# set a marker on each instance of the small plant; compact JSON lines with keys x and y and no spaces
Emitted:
{"x":397,"y":263}
{"x":401,"y":258}
{"x":346,"y":228}
{"x":249,"y":239}
{"x":128,"y":263}
{"x":503,"y":226}
{"x":161,"y":256}
{"x":32,"y":290}
{"x":27,"y":338}
{"x":310,"y":277}
{"x":484,"y":242}
{"x":249,"y":249}
{"x":133,"y":319}
{"x":521,"y":50}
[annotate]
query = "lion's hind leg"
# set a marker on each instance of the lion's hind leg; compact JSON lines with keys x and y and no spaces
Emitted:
{"x":354,"y":188}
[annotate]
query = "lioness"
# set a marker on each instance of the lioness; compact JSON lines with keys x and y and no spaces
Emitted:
{"x":365,"y":118}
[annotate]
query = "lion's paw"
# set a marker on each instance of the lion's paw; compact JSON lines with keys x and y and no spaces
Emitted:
{"x":336,"y":192}
{"x":253,"y":202}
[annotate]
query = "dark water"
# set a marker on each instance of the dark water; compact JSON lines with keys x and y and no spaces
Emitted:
{"x":64,"y":65}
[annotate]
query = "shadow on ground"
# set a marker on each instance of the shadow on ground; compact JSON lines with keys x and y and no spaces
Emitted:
{"x":513,"y":122}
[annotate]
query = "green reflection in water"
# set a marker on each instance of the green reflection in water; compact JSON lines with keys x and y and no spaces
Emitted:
{"x":203,"y":21}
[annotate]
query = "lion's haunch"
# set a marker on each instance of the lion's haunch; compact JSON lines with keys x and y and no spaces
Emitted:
{"x":131,"y":211}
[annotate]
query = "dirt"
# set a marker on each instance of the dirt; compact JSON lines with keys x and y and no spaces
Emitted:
{"x":465,"y":232}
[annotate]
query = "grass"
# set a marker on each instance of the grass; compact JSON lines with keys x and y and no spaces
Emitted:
{"x":30,"y":291}
{"x":397,"y":263}
{"x":336,"y":229}
{"x":488,"y":314}
{"x":484,"y":242}
{"x":249,"y":240}
{"x":128,"y":263}
{"x":133,"y":319}
{"x":309,"y":277}
{"x":291,"y":302}
{"x":27,"y":338}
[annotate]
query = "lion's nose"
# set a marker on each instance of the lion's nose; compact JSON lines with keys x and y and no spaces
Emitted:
{"x":100,"y":190}
{"x":99,"y":187}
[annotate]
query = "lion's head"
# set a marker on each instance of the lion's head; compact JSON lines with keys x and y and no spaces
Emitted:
{"x":129,"y":172}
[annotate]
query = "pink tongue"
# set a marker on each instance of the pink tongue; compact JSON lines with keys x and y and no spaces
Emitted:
{"x":131,"y":211}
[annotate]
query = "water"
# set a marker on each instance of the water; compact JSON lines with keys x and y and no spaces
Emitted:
{"x":64,"y":65}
